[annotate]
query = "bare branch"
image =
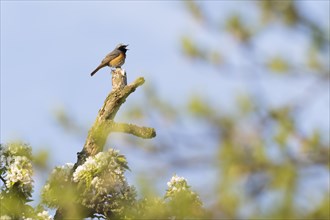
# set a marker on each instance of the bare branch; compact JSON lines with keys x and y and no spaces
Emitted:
{"x":142,"y":132}
{"x":116,"y":98}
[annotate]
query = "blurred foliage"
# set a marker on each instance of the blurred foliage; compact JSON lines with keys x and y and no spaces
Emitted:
{"x":286,"y":11}
{"x":248,"y":137}
{"x":262,"y":153}
{"x":41,"y":158}
{"x":247,"y":33}
{"x":195,"y":9}
{"x":278,"y":64}
{"x":68,"y":122}
{"x":197,"y":53}
{"x":236,"y":27}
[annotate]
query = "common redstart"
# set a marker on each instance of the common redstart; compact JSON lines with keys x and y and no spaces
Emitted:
{"x":116,"y":58}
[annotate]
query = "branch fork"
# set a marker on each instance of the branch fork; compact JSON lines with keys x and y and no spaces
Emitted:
{"x":105,"y":124}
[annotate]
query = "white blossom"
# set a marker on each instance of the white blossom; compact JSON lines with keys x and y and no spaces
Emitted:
{"x":44,"y":215}
{"x":178,"y":185}
{"x":176,"y":180}
{"x":101,"y":177}
{"x":19,"y":169}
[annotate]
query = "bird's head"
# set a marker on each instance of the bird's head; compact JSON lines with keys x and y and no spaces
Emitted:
{"x":122,"y":47}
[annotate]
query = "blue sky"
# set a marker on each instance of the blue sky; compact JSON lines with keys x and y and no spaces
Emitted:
{"x":48,"y":50}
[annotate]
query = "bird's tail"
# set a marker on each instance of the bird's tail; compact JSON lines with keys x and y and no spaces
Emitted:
{"x":97,"y":69}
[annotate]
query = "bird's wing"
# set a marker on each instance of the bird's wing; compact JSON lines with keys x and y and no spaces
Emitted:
{"x":110,"y":56}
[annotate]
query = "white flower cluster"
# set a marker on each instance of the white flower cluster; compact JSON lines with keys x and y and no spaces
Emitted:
{"x":177,"y":184}
{"x":104,"y":164}
{"x":64,"y":171}
{"x":19,"y":171}
{"x":16,"y":148}
{"x":102,"y":182}
{"x":16,"y":160}
{"x":179,"y":188}
{"x":60,"y":172}
{"x":44,"y":216}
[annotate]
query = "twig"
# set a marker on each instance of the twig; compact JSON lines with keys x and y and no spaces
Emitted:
{"x":4,"y":181}
{"x":142,"y":132}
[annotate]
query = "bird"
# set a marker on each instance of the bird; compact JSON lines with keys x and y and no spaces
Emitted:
{"x":115,"y":58}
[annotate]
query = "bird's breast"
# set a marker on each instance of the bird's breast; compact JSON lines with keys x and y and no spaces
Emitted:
{"x":117,"y":61}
